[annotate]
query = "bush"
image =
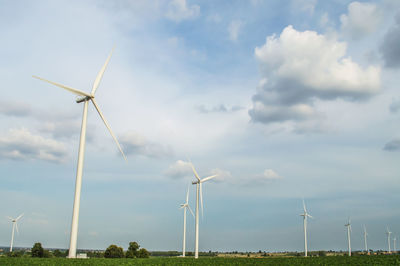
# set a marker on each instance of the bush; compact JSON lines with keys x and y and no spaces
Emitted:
{"x":37,"y":251}
{"x":143,"y":253}
{"x":114,"y":252}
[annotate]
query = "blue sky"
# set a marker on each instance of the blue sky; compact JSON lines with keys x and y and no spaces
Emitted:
{"x":282,"y":99}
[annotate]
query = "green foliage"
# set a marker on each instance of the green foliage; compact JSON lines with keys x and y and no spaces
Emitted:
{"x":322,"y":253}
{"x":272,"y":261}
{"x":143,"y":253}
{"x":132,"y":250}
{"x":114,"y":252}
{"x":37,"y":250}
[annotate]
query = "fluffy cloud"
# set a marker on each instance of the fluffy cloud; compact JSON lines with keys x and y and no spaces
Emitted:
{"x":234,"y":29}
{"x":179,"y":169}
{"x":390,"y":47}
{"x":133,"y":143}
{"x":222,"y":175}
{"x":362,"y":19}
{"x":20,"y":144}
{"x":299,"y":67}
{"x":393,"y":145}
{"x":304,"y":5}
{"x":270,"y":174}
{"x":178,"y":10}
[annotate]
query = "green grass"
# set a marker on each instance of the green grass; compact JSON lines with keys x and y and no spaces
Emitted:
{"x":337,"y":260}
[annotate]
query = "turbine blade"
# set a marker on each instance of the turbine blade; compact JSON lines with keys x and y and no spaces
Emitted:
{"x":100,"y":74}
{"x":194,"y":171}
{"x":78,"y":92}
{"x":310,"y":216}
{"x":190,"y":211}
{"x":187,"y":195}
{"x":19,"y":217}
{"x":207,"y":178}
{"x":10,"y":218}
{"x":304,"y":207}
{"x":201,"y":201}
{"x":108,"y":127}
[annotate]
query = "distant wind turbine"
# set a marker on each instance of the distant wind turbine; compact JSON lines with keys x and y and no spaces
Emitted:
{"x":15,"y":226}
{"x":86,"y":97}
{"x":365,"y":240}
{"x":305,"y":216}
{"x":348,"y":225}
{"x":198,"y":183}
{"x":185,"y":206}
{"x":388,"y":235}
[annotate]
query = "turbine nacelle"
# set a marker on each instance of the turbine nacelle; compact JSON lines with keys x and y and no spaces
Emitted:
{"x":83,"y":99}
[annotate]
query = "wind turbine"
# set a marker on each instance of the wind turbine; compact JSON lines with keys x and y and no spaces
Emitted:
{"x":198,"y":183}
{"x":85,"y":98}
{"x":394,"y":245}
{"x":305,"y":215}
{"x":388,"y":235}
{"x":185,"y":206}
{"x":348,"y":225}
{"x":15,"y":226}
{"x":365,"y":240}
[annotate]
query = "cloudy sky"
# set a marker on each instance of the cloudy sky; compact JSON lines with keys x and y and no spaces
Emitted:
{"x":282,"y":99}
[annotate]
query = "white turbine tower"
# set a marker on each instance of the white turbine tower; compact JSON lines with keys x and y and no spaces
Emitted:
{"x":365,"y":240}
{"x":185,"y":206}
{"x":305,"y":216}
{"x":394,"y":245}
{"x":14,"y":226}
{"x":86,"y":97}
{"x":388,"y":235}
{"x":198,"y":183}
{"x":348,"y":225}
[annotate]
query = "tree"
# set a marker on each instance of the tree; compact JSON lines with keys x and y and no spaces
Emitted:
{"x":143,"y":253}
{"x":132,"y":250}
{"x":37,"y":250}
{"x":114,"y":252}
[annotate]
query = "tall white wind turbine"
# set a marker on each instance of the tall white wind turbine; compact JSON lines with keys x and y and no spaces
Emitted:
{"x":185,"y":206}
{"x":198,"y":183}
{"x":388,"y":233}
{"x":14,"y":226}
{"x":348,"y":225}
{"x":85,"y":98}
{"x":365,"y":240}
{"x":305,"y":216}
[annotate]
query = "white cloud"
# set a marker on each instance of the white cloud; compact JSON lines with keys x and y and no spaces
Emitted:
{"x":304,"y":5}
{"x":179,"y":169}
{"x":299,"y":67}
{"x":222,"y":175}
{"x":20,"y":144}
{"x":133,"y":143}
{"x":234,"y":29}
{"x":270,"y":174}
{"x":179,"y":10}
{"x":362,"y":19}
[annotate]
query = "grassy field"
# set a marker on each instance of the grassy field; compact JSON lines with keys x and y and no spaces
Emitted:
{"x":331,"y":260}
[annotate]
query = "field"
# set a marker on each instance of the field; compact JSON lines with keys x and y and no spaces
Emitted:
{"x":331,"y":260}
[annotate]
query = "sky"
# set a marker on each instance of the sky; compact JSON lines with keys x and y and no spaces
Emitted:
{"x":284,"y":100}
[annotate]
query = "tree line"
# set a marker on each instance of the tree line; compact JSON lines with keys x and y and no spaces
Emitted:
{"x":113,"y":251}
